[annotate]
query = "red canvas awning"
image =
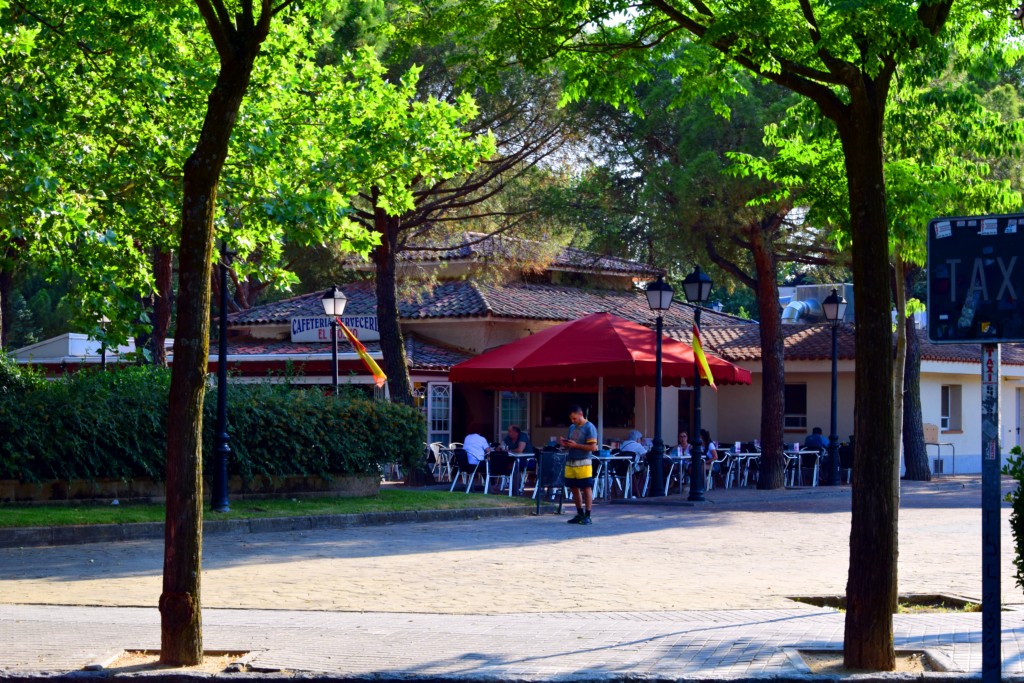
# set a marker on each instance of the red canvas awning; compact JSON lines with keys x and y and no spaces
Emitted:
{"x":578,"y":353}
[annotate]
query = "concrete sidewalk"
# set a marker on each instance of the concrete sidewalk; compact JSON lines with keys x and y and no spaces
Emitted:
{"x":674,"y":592}
{"x":599,"y":646}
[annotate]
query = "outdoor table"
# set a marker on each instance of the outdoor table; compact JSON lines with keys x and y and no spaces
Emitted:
{"x":521,"y":460}
{"x":798,"y":455}
{"x":743,"y":463}
{"x":682,"y":461}
{"x":603,"y":474}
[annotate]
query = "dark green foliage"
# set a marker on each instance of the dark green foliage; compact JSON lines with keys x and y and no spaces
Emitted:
{"x":1015,"y":468}
{"x":92,"y":425}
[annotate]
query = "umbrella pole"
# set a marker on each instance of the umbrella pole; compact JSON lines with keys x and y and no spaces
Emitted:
{"x":600,"y":412}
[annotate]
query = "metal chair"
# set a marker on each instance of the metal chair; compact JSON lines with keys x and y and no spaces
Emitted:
{"x":500,"y":466}
{"x":464,"y":468}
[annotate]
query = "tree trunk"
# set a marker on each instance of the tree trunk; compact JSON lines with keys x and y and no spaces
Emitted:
{"x":915,"y":455}
{"x":6,"y":310}
{"x":392,"y":344}
{"x":163,"y":274}
{"x":900,"y":362}
{"x":773,"y":375}
{"x":180,"y":605}
{"x":871,"y":586}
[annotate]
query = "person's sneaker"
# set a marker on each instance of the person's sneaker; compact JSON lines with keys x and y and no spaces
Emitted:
{"x":585,"y":521}
{"x":577,"y":519}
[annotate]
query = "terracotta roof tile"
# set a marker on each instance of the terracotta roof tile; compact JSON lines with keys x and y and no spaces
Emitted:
{"x":814,"y":342}
{"x":469,"y":299}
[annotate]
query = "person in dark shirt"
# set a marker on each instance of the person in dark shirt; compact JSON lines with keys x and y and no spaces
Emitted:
{"x":816,"y":440}
{"x":516,"y":441}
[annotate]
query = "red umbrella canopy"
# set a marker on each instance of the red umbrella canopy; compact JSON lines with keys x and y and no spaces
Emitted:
{"x":575,"y":354}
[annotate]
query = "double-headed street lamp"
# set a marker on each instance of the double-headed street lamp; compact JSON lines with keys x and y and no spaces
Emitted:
{"x":697,"y":286}
{"x":834,"y":307}
{"x":334,"y":306}
{"x":659,"y":298}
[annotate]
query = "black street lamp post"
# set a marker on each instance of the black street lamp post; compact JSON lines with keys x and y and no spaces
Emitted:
{"x":697,"y":286}
{"x":834,"y":307}
{"x":222,"y":449}
{"x":334,"y":305}
{"x":103,"y":342}
{"x":659,"y":298}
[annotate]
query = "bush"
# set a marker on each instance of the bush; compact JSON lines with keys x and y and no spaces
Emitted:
{"x":92,"y":425}
{"x":1015,"y":468}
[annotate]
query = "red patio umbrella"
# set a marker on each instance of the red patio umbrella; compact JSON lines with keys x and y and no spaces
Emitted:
{"x":600,"y":348}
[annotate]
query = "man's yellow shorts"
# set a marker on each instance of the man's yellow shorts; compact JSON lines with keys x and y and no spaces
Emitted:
{"x":579,"y":474}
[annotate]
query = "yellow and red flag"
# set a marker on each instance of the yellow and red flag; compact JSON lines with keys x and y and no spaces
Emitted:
{"x":698,"y":351}
{"x":378,"y":375}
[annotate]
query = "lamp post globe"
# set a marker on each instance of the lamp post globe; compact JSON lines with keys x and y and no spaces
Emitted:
{"x":697,"y":286}
{"x":334,"y":302}
{"x":834,"y":307}
{"x":659,"y":298}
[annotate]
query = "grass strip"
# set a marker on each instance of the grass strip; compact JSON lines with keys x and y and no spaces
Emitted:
{"x":388,"y":500}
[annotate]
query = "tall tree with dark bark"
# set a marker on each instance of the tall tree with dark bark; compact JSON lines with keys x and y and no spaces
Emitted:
{"x":667,"y":182}
{"x":841,"y":57}
{"x":237,"y":37}
{"x":915,"y":455}
{"x":465,"y":171}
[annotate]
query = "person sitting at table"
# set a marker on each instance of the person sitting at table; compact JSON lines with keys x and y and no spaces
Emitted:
{"x":476,"y":446}
{"x":710,"y":454}
{"x":516,"y":441}
{"x":634,"y":446}
{"x":816,"y":441}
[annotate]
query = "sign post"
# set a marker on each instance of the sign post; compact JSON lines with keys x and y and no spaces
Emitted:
{"x":973,"y":283}
{"x":991,"y":628}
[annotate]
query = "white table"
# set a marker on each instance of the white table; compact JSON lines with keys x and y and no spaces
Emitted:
{"x":603,"y":475}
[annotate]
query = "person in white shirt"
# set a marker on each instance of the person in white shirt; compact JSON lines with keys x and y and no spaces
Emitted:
{"x":476,"y":447}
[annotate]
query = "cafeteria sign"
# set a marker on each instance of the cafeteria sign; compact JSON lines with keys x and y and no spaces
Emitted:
{"x":318,"y":328}
{"x":975,"y":279}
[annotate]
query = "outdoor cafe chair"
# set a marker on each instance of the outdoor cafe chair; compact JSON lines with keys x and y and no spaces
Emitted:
{"x":463,"y":468}
{"x":500,"y":466}
{"x":792,"y":474}
{"x":812,"y":456}
{"x":440,"y":466}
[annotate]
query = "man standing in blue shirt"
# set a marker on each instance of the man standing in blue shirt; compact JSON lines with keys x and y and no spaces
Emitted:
{"x":579,"y":474}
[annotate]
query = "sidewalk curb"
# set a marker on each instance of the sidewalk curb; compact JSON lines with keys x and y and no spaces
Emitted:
{"x":29,"y":537}
{"x":483,"y":677}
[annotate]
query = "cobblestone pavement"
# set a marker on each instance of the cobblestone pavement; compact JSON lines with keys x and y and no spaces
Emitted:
{"x":673,"y":589}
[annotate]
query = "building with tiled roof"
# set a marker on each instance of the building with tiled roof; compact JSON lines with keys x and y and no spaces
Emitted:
{"x":464,"y":308}
{"x":950,"y":388}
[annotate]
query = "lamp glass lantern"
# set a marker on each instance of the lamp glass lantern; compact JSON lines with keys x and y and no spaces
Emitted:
{"x":834,"y":307}
{"x":697,"y":286}
{"x":334,"y":301}
{"x":659,"y":294}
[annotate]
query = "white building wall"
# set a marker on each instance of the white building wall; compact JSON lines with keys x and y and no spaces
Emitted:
{"x":966,"y":441}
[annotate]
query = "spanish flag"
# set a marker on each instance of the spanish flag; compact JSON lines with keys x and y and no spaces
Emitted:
{"x":698,"y":351}
{"x":378,"y":375}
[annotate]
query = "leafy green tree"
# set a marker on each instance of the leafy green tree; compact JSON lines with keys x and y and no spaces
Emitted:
{"x":675,"y":161}
{"x":843,"y":58}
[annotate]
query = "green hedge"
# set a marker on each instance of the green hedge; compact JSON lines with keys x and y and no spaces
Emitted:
{"x":92,"y":425}
{"x":1015,"y":468}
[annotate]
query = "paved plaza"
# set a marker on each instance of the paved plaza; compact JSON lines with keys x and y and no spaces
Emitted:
{"x":671,"y":591}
